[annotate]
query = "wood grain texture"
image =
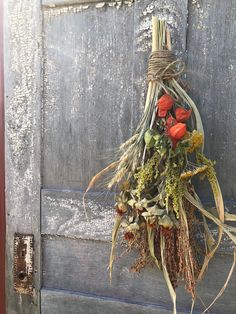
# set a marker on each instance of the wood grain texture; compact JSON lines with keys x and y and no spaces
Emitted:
{"x":211,"y":75}
{"x":87,"y":92}
{"x":80,"y":265}
{"x":61,"y":302}
{"x":63,"y":213}
{"x":23,"y":124}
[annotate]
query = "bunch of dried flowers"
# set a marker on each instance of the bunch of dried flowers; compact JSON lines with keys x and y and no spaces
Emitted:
{"x":156,"y":205}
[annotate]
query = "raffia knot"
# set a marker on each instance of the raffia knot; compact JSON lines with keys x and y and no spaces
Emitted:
{"x":163,"y":65}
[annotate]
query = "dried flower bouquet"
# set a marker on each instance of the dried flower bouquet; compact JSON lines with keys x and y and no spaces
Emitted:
{"x":157,"y":206}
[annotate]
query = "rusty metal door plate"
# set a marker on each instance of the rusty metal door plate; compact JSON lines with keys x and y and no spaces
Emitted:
{"x":23,"y":263}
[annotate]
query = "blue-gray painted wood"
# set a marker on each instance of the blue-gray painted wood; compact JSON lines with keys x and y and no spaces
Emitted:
{"x":61,"y":302}
{"x":88,"y":87}
{"x":211,"y":70}
{"x":82,"y":265}
{"x":62,"y":213}
{"x":94,"y":64}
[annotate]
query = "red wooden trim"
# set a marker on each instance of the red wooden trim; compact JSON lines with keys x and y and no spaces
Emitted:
{"x":2,"y":174}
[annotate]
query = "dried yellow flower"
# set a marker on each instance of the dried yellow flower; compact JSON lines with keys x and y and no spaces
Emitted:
{"x":210,"y":173}
{"x":188,"y":174}
{"x":196,"y":140}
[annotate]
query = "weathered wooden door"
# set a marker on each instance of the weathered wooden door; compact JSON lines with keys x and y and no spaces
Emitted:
{"x":75,"y":85}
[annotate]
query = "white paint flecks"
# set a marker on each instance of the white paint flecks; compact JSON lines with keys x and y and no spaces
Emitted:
{"x":51,"y":11}
{"x":28,"y":255}
{"x":164,"y":9}
{"x":22,"y":134}
{"x":22,"y":107}
{"x":196,"y":3}
{"x":100,"y":5}
{"x":63,"y":214}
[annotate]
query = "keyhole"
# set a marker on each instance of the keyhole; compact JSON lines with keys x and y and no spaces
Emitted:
{"x":21,"y":275}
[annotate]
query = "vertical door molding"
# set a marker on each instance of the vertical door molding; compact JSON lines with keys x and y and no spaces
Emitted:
{"x":22,"y":33}
{"x":2,"y":174}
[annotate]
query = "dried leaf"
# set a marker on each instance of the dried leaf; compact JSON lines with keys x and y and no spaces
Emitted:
{"x":131,"y":202}
{"x":116,"y":228}
{"x":210,"y":241}
{"x":151,"y":235}
{"x":166,"y":222}
{"x":150,"y":138}
{"x":153,"y":211}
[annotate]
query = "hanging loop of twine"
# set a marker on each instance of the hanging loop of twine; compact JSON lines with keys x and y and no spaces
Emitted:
{"x":163,"y":65}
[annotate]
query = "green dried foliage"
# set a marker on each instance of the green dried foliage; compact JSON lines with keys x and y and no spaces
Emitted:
{"x":173,"y":186}
{"x":147,"y":173}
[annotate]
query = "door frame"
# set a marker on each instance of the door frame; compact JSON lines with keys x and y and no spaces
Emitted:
{"x":22,"y":125}
{"x":2,"y":173}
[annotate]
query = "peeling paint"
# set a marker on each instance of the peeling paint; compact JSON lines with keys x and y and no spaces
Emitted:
{"x":22,"y":134}
{"x":63,"y":214}
{"x":22,"y":100}
{"x":165,"y":10}
{"x":54,"y":11}
{"x":25,"y":88}
{"x":51,"y":12}
{"x":100,"y":5}
{"x":196,"y":3}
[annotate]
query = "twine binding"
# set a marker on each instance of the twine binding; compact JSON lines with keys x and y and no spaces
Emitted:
{"x":163,"y":65}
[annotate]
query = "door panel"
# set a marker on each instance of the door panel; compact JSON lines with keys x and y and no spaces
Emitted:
{"x":75,"y":76}
{"x":95,"y":64}
{"x":81,"y":265}
{"x":88,"y":87}
{"x":63,"y":214}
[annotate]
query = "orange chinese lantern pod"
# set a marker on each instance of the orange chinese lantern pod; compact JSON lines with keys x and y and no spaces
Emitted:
{"x":170,"y":121}
{"x":177,"y":131}
{"x":182,"y":114}
{"x":164,"y":104}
